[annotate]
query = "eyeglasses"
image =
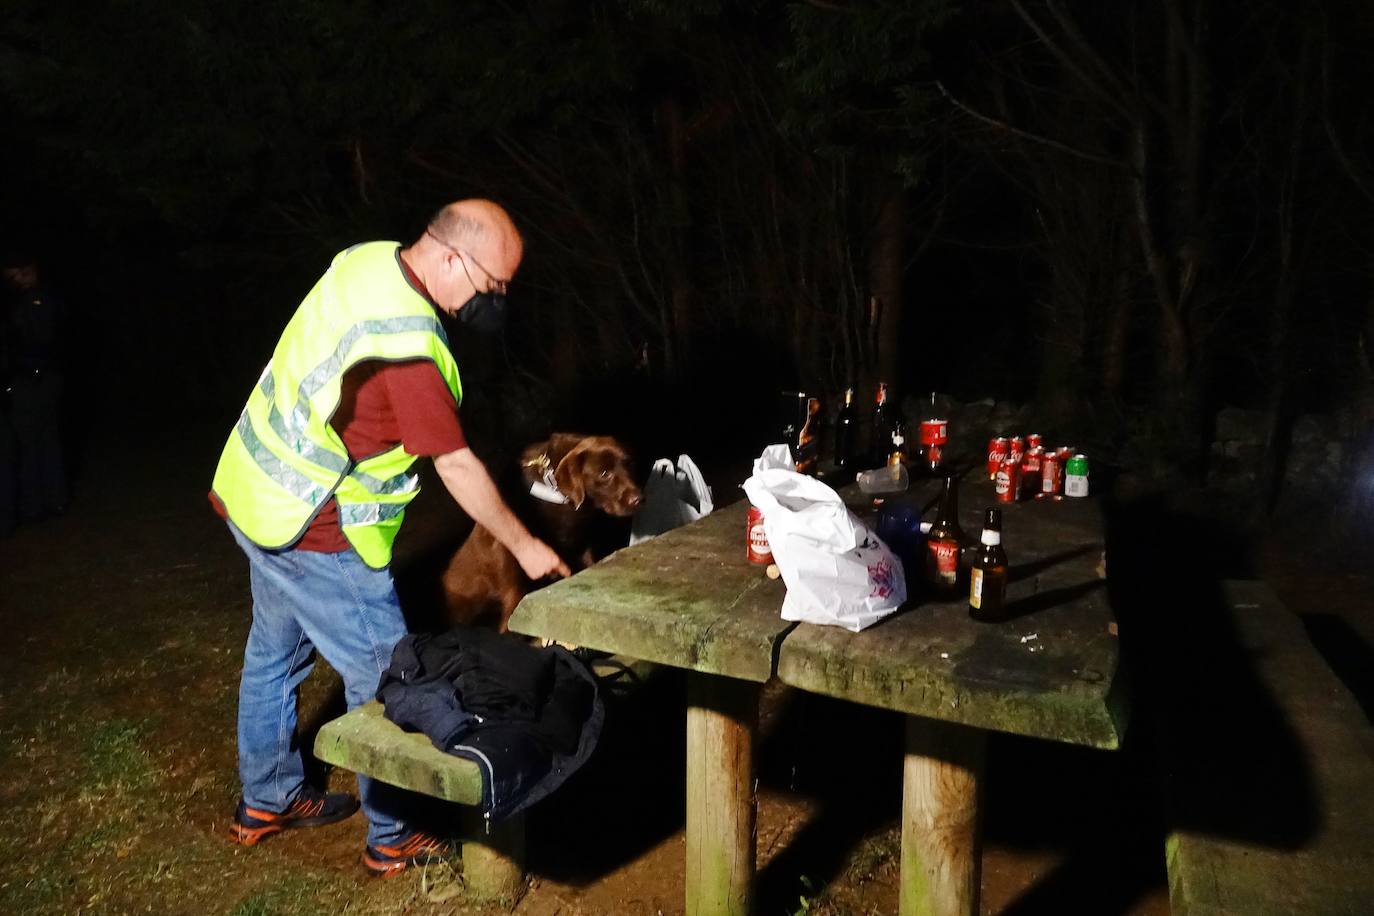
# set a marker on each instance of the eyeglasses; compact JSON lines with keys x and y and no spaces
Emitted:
{"x":497,"y":285}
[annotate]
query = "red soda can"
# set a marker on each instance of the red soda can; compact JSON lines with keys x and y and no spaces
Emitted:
{"x":756,"y":539}
{"x":1051,"y":474}
{"x":1008,"y":481}
{"x":1034,"y":440}
{"x":1030,"y":468}
{"x":934,"y":432}
{"x":997,"y":453}
{"x":1017,"y":450}
{"x":1065,"y":452}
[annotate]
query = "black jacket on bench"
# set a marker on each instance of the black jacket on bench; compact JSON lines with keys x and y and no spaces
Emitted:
{"x":528,"y":717}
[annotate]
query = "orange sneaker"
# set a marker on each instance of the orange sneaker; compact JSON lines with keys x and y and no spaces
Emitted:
{"x":311,"y":808}
{"x":413,"y":848}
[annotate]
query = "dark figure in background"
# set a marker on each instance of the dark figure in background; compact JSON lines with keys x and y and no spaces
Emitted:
{"x":9,"y":452}
{"x":34,"y":319}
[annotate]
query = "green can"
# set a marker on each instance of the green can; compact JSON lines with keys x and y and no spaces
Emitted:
{"x":1076,"y":476}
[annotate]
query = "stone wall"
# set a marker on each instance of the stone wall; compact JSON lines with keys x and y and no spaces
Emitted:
{"x":1315,"y":458}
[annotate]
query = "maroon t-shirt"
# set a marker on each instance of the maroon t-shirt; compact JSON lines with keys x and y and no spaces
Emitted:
{"x":382,"y":404}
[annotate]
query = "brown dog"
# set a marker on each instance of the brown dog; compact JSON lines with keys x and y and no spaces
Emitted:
{"x":592,"y":475}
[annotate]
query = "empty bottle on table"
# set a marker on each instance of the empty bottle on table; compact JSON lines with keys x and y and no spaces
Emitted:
{"x":987,"y":589}
{"x":806,"y":451}
{"x":944,"y":543}
{"x":884,"y":423}
{"x":845,"y":425}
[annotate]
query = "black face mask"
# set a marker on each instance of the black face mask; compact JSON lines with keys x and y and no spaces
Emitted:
{"x":484,"y":313}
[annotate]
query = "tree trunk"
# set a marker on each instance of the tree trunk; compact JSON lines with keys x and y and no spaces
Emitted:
{"x":886,"y":267}
{"x":677,"y":345}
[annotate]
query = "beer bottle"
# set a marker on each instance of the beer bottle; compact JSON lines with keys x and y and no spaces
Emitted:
{"x":845,"y":425}
{"x":884,"y":415}
{"x":808,"y":450}
{"x":987,"y":589}
{"x":944,"y":541}
{"x":896,"y":450}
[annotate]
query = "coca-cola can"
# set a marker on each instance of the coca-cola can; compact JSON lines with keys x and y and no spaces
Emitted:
{"x":997,"y":453}
{"x":1017,"y":449}
{"x":1034,"y":440}
{"x":756,"y":539}
{"x":1030,"y":468}
{"x":934,"y":431}
{"x":1008,"y":481}
{"x":1051,"y":475}
{"x":1065,"y":452}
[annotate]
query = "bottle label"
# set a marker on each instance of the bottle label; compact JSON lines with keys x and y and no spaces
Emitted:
{"x":975,"y":589}
{"x":756,"y":539}
{"x":934,"y":432}
{"x":944,"y":556}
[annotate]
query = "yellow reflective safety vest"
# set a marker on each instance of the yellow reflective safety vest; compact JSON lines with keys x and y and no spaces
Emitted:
{"x":283,"y":460}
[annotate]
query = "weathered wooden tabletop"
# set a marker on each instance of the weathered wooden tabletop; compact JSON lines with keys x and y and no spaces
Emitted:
{"x":1048,"y":672}
{"x":687,"y":598}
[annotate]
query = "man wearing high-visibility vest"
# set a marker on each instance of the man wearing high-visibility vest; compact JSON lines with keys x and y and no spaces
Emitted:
{"x":314,"y":481}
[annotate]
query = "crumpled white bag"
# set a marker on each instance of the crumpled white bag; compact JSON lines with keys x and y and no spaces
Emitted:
{"x":837,"y":571}
{"x":674,"y":495}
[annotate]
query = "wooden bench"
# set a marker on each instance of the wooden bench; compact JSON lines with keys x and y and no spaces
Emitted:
{"x":1273,"y":815}
{"x":366,"y":742}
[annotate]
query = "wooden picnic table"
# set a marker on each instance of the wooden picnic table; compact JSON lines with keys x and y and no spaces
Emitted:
{"x":690,"y":599}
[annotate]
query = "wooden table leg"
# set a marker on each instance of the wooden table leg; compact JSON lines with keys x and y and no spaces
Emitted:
{"x":941,"y":853}
{"x":722,"y":720}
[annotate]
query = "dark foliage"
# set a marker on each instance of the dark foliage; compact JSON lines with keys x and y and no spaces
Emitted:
{"x":1130,"y":212}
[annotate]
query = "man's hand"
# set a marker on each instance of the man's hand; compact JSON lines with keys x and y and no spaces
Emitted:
{"x":467,"y":479}
{"x":539,"y":561}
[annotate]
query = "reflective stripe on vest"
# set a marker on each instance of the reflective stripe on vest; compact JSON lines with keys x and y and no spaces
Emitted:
{"x":283,"y":459}
{"x":293,"y":434}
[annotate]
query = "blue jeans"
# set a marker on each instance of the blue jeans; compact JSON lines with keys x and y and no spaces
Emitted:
{"x":303,"y":601}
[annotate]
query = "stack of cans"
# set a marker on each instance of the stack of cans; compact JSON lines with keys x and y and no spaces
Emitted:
{"x":1025,"y":469}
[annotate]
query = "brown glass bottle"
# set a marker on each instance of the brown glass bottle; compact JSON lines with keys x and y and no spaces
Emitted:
{"x":884,"y":416}
{"x":987,"y":588}
{"x":944,"y":541}
{"x":808,"y":451}
{"x":845,"y":425}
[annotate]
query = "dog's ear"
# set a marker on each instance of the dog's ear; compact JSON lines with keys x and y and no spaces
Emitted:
{"x":568,"y":476}
{"x":559,"y":445}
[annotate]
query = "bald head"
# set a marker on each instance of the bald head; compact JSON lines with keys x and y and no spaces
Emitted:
{"x":477,"y":223}
{"x":470,"y":246}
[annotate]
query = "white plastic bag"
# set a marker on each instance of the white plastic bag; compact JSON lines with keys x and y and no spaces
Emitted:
{"x":673,"y":496}
{"x":837,"y":571}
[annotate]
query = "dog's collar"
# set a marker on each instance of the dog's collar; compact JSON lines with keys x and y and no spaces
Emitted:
{"x":542,"y":485}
